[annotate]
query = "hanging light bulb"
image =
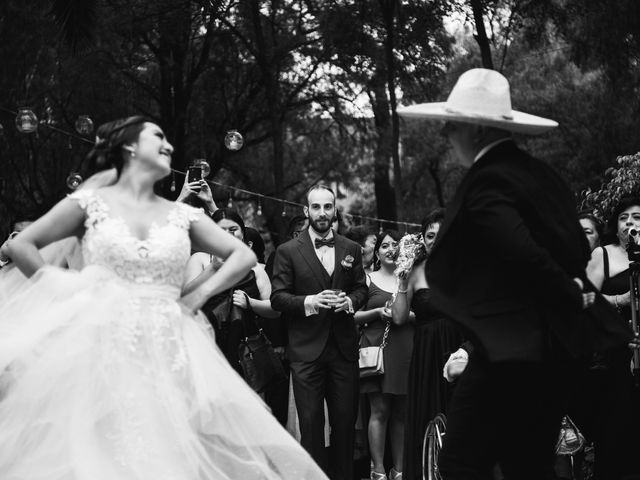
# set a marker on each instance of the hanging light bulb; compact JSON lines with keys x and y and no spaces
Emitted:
{"x":284,"y":212}
{"x":233,"y":140}
{"x":1,"y":130}
{"x":26,"y":120}
{"x":230,"y":202}
{"x":74,"y":180}
{"x":173,"y":181}
{"x":69,"y":144}
{"x":84,"y":125}
{"x":259,"y":211}
{"x":206,"y":168}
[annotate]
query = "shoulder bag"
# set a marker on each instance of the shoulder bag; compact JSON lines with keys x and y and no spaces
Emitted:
{"x":260,"y":364}
{"x":371,"y":359}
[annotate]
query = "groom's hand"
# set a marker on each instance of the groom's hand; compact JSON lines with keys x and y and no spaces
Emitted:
{"x":324,"y":299}
{"x":343,"y":303}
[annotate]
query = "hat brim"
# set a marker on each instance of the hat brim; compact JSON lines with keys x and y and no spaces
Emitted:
{"x":519,"y":123}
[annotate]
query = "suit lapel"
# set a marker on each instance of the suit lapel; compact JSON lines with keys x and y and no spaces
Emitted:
{"x":307,"y":250}
{"x":340,"y":252}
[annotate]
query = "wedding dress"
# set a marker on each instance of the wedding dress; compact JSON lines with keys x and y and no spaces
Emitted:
{"x":106,"y":377}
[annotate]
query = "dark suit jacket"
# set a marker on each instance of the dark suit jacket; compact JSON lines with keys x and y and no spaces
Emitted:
{"x":297,"y":273}
{"x":505,"y":257}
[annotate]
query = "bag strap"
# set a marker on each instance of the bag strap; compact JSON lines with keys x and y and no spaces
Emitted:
{"x":387,"y":327}
{"x":253,"y":316}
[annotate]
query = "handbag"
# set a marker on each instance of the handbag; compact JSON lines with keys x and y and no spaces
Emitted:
{"x":570,"y":440}
{"x":260,"y":365}
{"x":371,"y":359}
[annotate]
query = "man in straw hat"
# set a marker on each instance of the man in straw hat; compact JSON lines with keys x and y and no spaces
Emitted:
{"x":509,"y":267}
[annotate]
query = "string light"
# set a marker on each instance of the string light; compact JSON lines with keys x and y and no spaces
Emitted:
{"x":84,"y":125}
{"x":26,"y":120}
{"x":259,"y":211}
{"x":233,"y":140}
{"x":173,"y":181}
{"x":230,"y":202}
{"x":74,"y":180}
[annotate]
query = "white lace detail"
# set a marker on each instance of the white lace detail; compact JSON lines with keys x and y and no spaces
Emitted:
{"x":158,"y":259}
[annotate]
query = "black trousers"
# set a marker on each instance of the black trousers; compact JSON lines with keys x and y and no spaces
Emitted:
{"x":507,"y":413}
{"x":335,"y":379}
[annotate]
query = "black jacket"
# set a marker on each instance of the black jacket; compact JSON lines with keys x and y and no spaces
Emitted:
{"x":297,"y":273}
{"x":505,"y":259}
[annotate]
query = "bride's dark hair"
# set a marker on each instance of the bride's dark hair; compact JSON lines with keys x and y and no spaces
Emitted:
{"x":111,"y":137}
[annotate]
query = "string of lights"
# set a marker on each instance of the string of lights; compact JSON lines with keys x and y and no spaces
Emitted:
{"x":260,"y":197}
{"x":27,"y":122}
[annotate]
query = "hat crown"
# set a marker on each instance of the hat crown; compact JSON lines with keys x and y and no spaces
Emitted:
{"x":480,"y":91}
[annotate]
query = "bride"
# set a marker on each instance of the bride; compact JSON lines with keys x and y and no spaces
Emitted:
{"x":108,"y":373}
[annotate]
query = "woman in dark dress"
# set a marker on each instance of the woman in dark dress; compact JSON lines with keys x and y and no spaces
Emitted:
{"x":232,"y":313}
{"x":386,"y":392}
{"x":606,"y":410}
{"x":435,"y":338}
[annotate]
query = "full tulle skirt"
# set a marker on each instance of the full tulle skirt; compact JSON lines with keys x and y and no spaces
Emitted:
{"x":105,"y":379}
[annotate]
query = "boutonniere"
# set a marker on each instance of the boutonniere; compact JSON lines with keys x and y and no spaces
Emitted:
{"x":347,"y":262}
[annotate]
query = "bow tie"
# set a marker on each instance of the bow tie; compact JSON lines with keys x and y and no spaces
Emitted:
{"x":321,"y":242}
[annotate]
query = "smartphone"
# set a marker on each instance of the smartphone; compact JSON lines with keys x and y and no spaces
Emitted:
{"x":194,"y":173}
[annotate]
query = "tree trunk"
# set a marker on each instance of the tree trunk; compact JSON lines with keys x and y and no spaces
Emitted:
{"x":385,"y":195}
{"x":389,"y":12}
{"x":481,"y":35}
{"x":269,"y":72}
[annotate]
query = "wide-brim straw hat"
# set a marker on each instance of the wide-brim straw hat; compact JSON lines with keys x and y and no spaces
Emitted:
{"x":481,"y":97}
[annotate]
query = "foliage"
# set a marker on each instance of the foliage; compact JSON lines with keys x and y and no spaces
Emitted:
{"x":620,"y":181}
{"x":312,"y":86}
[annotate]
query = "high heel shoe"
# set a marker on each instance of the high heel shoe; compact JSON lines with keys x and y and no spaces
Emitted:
{"x":394,"y":474}
{"x":378,"y":476}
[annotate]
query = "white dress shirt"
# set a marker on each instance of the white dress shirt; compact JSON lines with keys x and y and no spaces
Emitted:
{"x":327,"y":257}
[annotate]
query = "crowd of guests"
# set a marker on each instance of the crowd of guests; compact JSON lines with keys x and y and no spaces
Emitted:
{"x":425,"y":352}
{"x":391,"y":410}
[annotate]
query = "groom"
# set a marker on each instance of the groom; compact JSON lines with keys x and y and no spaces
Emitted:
{"x":323,"y":344}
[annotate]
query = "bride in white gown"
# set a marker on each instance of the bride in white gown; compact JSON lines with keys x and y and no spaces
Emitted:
{"x":108,"y":374}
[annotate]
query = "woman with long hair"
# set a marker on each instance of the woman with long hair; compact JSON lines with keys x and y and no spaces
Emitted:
{"x":387,"y":392}
{"x":109,"y":373}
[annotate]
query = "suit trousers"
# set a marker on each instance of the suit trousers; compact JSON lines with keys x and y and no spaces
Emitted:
{"x":507,"y":413}
{"x":335,"y":379}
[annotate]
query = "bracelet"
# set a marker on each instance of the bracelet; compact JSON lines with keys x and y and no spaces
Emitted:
{"x":403,"y":291}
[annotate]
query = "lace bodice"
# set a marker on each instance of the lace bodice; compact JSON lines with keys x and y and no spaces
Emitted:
{"x":158,"y":260}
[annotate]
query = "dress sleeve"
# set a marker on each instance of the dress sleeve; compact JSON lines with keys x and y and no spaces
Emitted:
{"x":188,"y":214}
{"x":83,"y":198}
{"x":95,"y":209}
